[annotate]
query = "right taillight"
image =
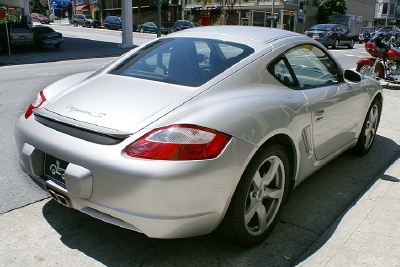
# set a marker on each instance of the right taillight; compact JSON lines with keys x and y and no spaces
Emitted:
{"x":179,"y":142}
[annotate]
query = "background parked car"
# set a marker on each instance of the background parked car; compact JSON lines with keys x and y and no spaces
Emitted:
{"x":85,"y":21}
{"x":366,"y":33}
{"x":151,"y":27}
{"x":20,"y":35}
{"x":39,"y":18}
{"x":45,"y":36}
{"x":115,"y":23}
{"x":182,"y":25}
{"x":334,"y":35}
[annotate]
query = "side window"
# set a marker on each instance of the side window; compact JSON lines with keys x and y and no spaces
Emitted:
{"x":280,"y":70}
{"x":305,"y":66}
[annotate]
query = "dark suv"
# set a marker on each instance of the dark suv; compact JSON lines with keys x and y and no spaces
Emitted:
{"x":85,"y":21}
{"x":181,"y":25}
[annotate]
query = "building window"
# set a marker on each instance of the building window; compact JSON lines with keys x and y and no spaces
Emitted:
{"x":384,"y":9}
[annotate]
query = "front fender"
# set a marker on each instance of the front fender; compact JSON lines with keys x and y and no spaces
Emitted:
{"x":366,"y":61}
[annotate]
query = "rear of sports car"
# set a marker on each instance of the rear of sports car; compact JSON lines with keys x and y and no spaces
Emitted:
{"x":91,"y":143}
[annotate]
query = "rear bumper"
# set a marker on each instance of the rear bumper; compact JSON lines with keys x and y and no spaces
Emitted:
{"x":162,"y":199}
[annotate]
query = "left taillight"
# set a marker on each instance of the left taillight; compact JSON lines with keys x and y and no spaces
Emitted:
{"x":179,"y":142}
{"x":37,"y":102}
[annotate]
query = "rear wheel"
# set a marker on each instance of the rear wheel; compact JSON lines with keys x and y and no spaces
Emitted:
{"x":88,"y":25}
{"x":336,"y":44}
{"x":259,"y":198}
{"x":75,"y":24}
{"x":351,"y":45}
{"x":368,"y":131}
{"x":57,"y":46}
{"x":141,"y":30}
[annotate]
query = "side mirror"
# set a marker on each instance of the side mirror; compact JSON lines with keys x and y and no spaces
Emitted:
{"x":352,"y":76}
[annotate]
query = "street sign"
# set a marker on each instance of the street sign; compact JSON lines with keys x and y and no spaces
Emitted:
{"x":272,"y":17}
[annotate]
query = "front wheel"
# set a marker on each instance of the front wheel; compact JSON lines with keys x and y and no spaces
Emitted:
{"x":141,"y":30}
{"x":368,"y":131}
{"x":377,"y":73}
{"x":75,"y":24}
{"x":88,"y":25}
{"x":259,"y":198}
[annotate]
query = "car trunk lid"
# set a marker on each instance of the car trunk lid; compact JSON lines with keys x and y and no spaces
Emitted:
{"x":118,"y":102}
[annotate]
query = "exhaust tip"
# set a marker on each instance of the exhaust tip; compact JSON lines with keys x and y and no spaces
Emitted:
{"x":60,"y":198}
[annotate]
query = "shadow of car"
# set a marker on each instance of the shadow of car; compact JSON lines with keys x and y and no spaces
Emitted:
{"x":115,"y":23}
{"x":333,"y":35}
{"x":46,"y":36}
{"x":151,"y":27}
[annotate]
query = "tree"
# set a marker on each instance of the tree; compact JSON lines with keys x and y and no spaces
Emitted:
{"x":38,"y":6}
{"x":330,"y":7}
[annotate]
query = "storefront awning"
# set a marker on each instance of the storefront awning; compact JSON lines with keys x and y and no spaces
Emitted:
{"x":81,"y":7}
{"x":60,"y":4}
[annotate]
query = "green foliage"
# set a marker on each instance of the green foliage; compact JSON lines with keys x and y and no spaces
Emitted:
{"x":330,"y":7}
{"x":38,"y":6}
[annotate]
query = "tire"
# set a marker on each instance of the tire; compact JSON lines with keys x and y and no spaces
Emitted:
{"x":88,"y":25}
{"x":75,"y":24}
{"x":57,"y":46}
{"x":351,"y":45}
{"x":336,"y":44}
{"x":141,"y":30}
{"x":368,"y":131}
{"x":259,"y":198}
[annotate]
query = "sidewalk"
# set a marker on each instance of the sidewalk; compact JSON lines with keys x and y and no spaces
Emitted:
{"x":369,"y":232}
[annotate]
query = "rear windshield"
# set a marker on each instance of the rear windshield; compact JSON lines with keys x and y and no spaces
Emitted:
{"x":21,"y":29}
{"x":324,"y":27}
{"x":42,"y":30}
{"x":183,"y":61}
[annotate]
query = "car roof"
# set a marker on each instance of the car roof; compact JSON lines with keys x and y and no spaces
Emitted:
{"x":236,"y":33}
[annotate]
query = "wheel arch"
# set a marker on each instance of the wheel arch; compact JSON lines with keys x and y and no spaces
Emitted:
{"x":288,"y":145}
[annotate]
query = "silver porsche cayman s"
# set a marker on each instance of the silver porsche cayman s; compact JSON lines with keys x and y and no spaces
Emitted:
{"x":205,"y":129}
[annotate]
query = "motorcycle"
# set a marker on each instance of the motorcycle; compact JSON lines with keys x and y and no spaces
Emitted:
{"x":385,"y":61}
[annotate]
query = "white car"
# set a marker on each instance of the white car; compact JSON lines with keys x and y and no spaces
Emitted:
{"x":207,"y":129}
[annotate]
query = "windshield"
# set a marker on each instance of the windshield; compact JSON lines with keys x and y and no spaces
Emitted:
{"x":183,"y":61}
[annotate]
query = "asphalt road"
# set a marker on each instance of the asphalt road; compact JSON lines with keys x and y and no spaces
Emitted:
{"x":45,"y":233}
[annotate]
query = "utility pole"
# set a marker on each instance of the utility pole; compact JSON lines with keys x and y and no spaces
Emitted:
{"x":158,"y":18}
